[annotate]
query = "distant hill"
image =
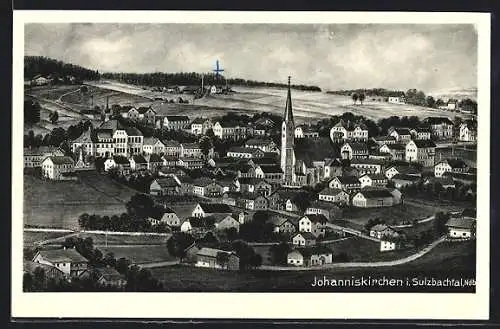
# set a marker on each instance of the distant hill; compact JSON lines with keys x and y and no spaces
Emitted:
{"x":44,"y":66}
{"x":160,"y":79}
{"x":368,"y":92}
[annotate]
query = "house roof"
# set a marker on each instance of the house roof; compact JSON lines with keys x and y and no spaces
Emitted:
{"x":155,"y":158}
{"x":192,"y":146}
{"x":171,"y":143}
{"x":455,"y":163}
{"x":271,"y":169}
{"x":438,"y":121}
{"x":286,"y":193}
{"x":116,"y":125}
{"x":358,"y":146}
{"x":375,"y":176}
{"x":367,"y":161}
{"x":60,"y":160}
{"x":347,"y":179}
{"x":406,"y":177}
{"x":323,"y":205}
{"x":198,"y":121}
{"x":317,"y":218}
{"x":109,"y":273}
{"x":461,"y":222}
{"x":30,"y":266}
{"x":471,"y":124}
{"x":376,"y":193}
{"x":396,"y":147}
{"x":315,"y":250}
{"x":239,"y":149}
{"x":119,"y":159}
{"x":43,"y":150}
{"x":144,"y":109}
{"x":263,"y":161}
{"x":384,"y":138}
{"x":249,"y":180}
{"x":138,"y":158}
{"x":203,"y":181}
{"x":62,"y":255}
{"x":85,"y":137}
{"x":219,"y":208}
{"x":330,"y":191}
{"x":259,"y":142}
{"x":177,"y":118}
{"x":306,"y":235}
{"x":167,"y":182}
{"x":211,"y":252}
{"x":402,"y":131}
{"x":424,"y":143}
{"x":150,"y":141}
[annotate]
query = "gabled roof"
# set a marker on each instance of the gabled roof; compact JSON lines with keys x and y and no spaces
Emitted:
{"x":330,"y":191}
{"x":249,"y":150}
{"x":306,"y":235}
{"x":271,"y":169}
{"x":384,"y":138}
{"x":317,"y":218}
{"x":85,"y":137}
{"x":323,"y":205}
{"x":461,"y":222}
{"x":455,"y":163}
{"x":211,"y":252}
{"x":315,"y":250}
{"x":150,"y":141}
{"x":396,"y":147}
{"x":192,"y":146}
{"x":171,"y":143}
{"x":259,"y":141}
{"x":424,"y":143}
{"x":43,"y":150}
{"x":347,"y":179}
{"x":471,"y":124}
{"x":155,"y":158}
{"x":138,"y":158}
{"x":376,"y":193}
{"x":62,"y":255}
{"x":220,"y":208}
{"x":109,"y":273}
{"x":203,"y":181}
{"x":119,"y":159}
{"x":375,"y":176}
{"x":263,"y":161}
{"x":438,"y":121}
{"x":287,"y":193}
{"x":167,"y":182}
{"x":367,"y":161}
{"x":402,"y":131}
{"x":177,"y":118}
{"x":198,"y":121}
{"x":380,"y":227}
{"x":61,"y":160}
{"x":144,"y":109}
{"x":358,"y":146}
{"x":405,"y":177}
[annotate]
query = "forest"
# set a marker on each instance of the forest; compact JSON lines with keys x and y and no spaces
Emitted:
{"x":44,"y":66}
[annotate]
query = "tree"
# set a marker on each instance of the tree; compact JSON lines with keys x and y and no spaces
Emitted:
{"x":361,"y":98}
{"x":53,"y":117}
{"x":178,"y":243}
{"x":430,"y":102}
{"x":222,"y":258}
{"x":279,"y":253}
{"x":354,"y":97}
{"x":31,"y":111}
{"x":206,"y":145}
{"x":439,"y":226}
{"x":140,"y":206}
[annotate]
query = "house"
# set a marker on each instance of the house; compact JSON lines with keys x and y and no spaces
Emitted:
{"x":468,"y":131}
{"x":207,"y":187}
{"x":109,"y":276}
{"x":226,"y":222}
{"x":264,"y":144}
{"x":273,"y":174}
{"x":51,"y":272}
{"x":252,"y":201}
{"x":58,"y":168}
{"x":191,"y":150}
{"x":147,"y":115}
{"x":441,"y":127}
{"x":172,"y":147}
{"x":203,"y":209}
{"x":305,"y":132}
{"x":313,"y":223}
{"x":190,"y":163}
{"x":132,"y":114}
{"x":327,"y":209}
{"x":375,"y":180}
{"x":155,"y":162}
{"x":282,"y":225}
{"x":452,"y":104}
{"x":165,"y":186}
{"x":450,"y":165}
{"x":200,"y":126}
{"x":345,"y":131}
{"x":152,"y":145}
{"x":391,"y":171}
{"x":69,"y":261}
{"x":421,"y":151}
{"x":171,"y":122}
{"x":461,"y":227}
{"x":345,"y":183}
{"x":382,"y":231}
{"x":396,"y":99}
{"x":265,"y":122}
{"x":255,"y":185}
{"x":388,"y":245}
{"x":332,"y":168}
{"x":245,"y":152}
{"x":167,"y":216}
{"x":211,"y":258}
{"x":33,"y":157}
{"x":40,"y":81}
{"x":304,"y":239}
{"x":421,"y":133}
{"x":367,"y":166}
{"x":138,"y":162}
{"x":381,"y":140}
{"x":313,"y":256}
{"x":355,"y":150}
{"x":186,"y":226}
{"x":372,"y":198}
{"x":333,"y":195}
{"x":397,"y":151}
{"x":260,"y":130}
{"x":402,"y":135}
{"x":284,"y":199}
{"x":404,"y":180}
{"x":229,"y":130}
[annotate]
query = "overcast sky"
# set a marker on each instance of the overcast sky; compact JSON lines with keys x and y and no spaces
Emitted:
{"x":427,"y":57}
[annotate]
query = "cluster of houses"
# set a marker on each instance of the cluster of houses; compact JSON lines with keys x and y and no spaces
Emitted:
{"x":67,"y":264}
{"x":40,"y":80}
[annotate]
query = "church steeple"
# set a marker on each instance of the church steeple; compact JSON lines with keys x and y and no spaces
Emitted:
{"x":288,"y":116}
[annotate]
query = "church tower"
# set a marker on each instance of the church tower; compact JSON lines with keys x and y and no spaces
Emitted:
{"x":287,"y":141}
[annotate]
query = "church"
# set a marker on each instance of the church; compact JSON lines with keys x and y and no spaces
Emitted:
{"x":296,"y":172}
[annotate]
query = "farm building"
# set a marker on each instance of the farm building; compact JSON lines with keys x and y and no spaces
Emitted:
{"x":461,"y":227}
{"x":373,"y":198}
{"x":217,"y":259}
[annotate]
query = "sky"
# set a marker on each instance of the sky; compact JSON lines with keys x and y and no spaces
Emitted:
{"x":340,"y":56}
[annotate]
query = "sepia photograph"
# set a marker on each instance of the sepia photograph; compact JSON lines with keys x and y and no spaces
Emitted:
{"x":252,"y":157}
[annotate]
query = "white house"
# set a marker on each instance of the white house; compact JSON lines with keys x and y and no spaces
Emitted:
{"x":186,"y":226}
{"x":468,"y":131}
{"x":397,"y":100}
{"x":461,"y":228}
{"x":69,"y":261}
{"x":314,"y":224}
{"x":450,"y":165}
{"x":378,"y":180}
{"x":373,"y":198}
{"x":421,"y":151}
{"x":152,"y":145}
{"x":386,"y":245}
{"x":334,"y":195}
{"x":304,"y":239}
{"x":58,"y":167}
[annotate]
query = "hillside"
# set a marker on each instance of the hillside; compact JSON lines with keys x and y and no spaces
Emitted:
{"x":39,"y":65}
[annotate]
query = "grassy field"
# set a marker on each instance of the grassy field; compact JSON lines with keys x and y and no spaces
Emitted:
{"x":29,"y":238}
{"x":140,"y":254}
{"x":58,"y":204}
{"x":452,"y":261}
{"x":391,"y":215}
{"x":468,"y":154}
{"x":100,"y":239}
{"x":307,"y":105}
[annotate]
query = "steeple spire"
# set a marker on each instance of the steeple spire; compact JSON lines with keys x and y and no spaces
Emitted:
{"x":288,"y":116}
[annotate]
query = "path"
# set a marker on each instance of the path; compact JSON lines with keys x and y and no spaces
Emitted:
{"x":68,"y":93}
{"x":95,"y":232}
{"x":358,"y":264}
{"x":159,"y":264}
{"x":48,"y":241}
{"x":351,"y":231}
{"x":425,"y":220}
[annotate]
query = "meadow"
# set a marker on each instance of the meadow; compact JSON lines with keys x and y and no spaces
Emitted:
{"x":140,"y":254}
{"x":394,"y":215}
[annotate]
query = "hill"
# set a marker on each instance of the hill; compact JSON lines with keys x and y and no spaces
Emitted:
{"x":40,"y":65}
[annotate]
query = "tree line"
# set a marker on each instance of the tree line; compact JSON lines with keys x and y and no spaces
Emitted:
{"x":161,"y":79}
{"x":45,"y":66}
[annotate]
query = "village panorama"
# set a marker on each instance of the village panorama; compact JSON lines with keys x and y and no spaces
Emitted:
{"x":205,"y":182}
